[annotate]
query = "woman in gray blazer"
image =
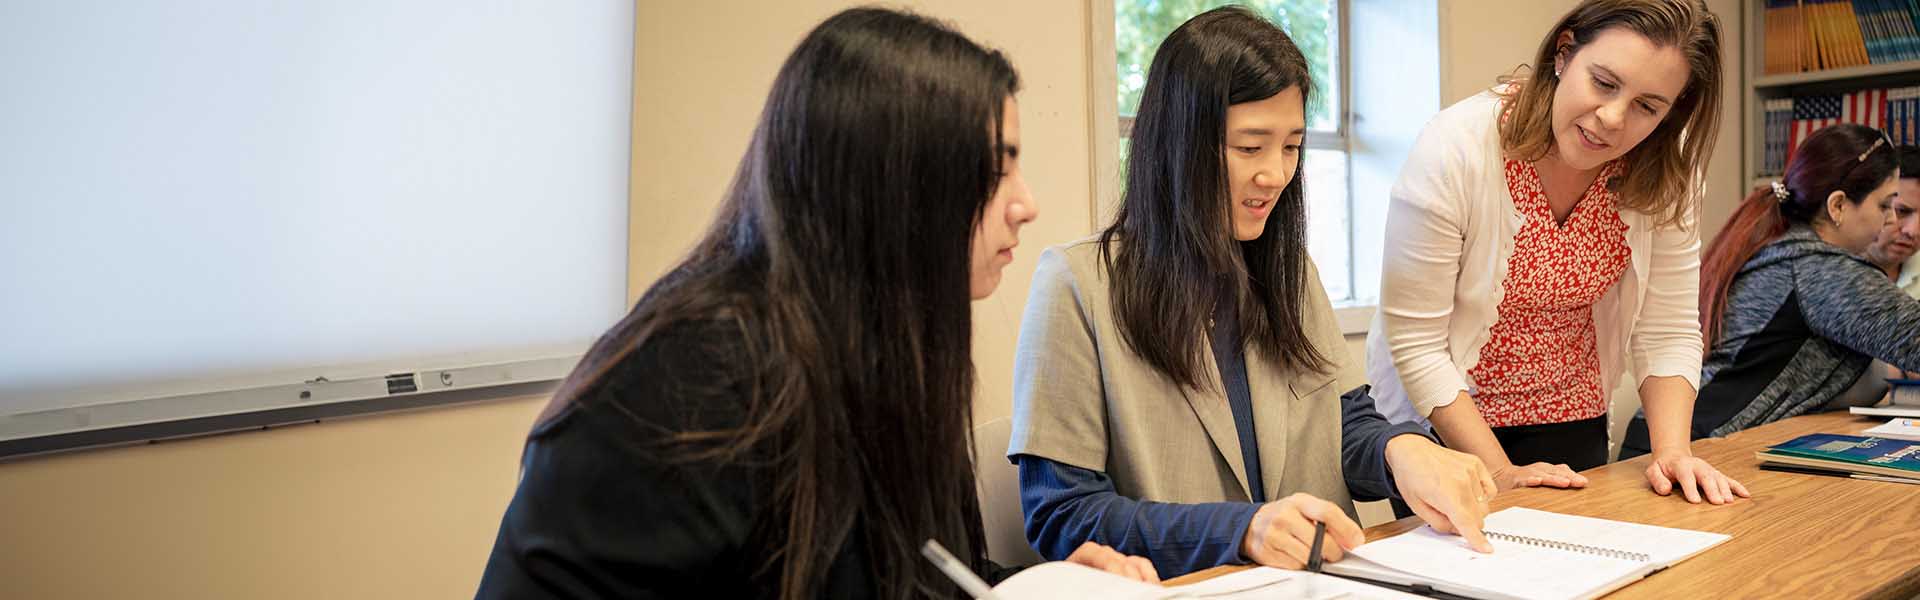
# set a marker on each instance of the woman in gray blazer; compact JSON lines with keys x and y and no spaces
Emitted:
{"x":1179,"y":382}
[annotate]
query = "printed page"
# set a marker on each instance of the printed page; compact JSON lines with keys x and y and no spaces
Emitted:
{"x":1060,"y":579}
{"x":1268,"y":582}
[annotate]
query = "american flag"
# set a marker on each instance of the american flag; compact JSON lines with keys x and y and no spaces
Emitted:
{"x":1810,"y":113}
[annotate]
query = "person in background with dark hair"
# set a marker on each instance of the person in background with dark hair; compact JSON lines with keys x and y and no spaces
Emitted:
{"x":786,"y":414}
{"x":1178,"y":381}
{"x":1540,"y":247}
{"x":1794,"y":313}
{"x":1893,"y":252}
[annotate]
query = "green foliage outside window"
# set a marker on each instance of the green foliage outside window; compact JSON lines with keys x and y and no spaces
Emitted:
{"x":1140,"y":25}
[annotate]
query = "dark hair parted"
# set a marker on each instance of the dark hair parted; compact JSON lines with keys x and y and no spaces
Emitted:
{"x":1170,"y":251}
{"x":1851,"y":159}
{"x":1666,"y":165}
{"x":840,"y":252}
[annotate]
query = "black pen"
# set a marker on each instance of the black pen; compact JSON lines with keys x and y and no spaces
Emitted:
{"x":1313,"y":555}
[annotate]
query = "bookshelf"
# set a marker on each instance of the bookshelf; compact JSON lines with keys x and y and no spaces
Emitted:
{"x":1841,"y":74}
{"x":1761,"y":87}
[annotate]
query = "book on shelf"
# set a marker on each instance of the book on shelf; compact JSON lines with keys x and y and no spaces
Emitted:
{"x":1814,"y":35}
{"x":1779,"y":120}
{"x":1782,"y":52}
{"x":1788,"y":121}
{"x":1902,"y":104}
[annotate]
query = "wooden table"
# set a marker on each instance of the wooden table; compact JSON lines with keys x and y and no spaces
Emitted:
{"x":1800,"y":536}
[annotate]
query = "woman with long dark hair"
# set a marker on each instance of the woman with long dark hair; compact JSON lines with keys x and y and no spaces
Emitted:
{"x":1540,"y":246}
{"x":786,"y":414}
{"x":1794,"y":311}
{"x":1179,"y":379}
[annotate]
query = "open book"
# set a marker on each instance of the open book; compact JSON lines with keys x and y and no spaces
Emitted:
{"x":1068,"y":580}
{"x":1537,"y":555}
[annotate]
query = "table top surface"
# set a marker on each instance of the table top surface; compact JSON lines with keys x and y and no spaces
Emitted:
{"x":1800,"y":536}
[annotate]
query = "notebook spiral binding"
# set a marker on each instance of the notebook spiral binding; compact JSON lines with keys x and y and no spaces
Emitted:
{"x":1558,"y":545}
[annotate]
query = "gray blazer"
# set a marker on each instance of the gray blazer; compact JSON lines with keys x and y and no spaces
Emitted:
{"x":1082,"y":398}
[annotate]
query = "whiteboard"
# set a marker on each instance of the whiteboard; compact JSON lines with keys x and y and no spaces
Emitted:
{"x":209,"y":197}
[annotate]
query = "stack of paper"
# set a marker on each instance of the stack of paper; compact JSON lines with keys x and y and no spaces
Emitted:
{"x":1897,"y":429}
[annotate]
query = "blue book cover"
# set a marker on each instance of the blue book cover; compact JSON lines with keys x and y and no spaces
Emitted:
{"x":1869,"y":31}
{"x":1912,"y":13}
{"x":1895,"y":22}
{"x":1896,"y":17}
{"x":1854,"y":449}
{"x":1894,"y":43}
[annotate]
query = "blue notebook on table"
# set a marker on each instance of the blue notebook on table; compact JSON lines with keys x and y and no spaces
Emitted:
{"x":1851,"y":453}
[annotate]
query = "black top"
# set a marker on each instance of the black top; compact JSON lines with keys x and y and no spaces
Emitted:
{"x":1229,"y":356}
{"x":604,"y":511}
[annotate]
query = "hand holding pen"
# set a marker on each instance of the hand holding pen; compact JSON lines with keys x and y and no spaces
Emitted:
{"x":1281,"y":532}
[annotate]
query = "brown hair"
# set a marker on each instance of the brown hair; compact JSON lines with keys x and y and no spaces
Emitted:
{"x":1678,"y":149}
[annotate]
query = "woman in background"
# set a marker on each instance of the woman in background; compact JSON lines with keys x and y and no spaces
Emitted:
{"x":786,"y":414}
{"x":1795,"y":311}
{"x":1541,"y":245}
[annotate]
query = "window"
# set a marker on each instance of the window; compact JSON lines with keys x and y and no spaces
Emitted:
{"x":1315,"y":26}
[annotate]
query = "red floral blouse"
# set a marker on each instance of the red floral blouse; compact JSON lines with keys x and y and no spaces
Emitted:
{"x":1540,"y":365}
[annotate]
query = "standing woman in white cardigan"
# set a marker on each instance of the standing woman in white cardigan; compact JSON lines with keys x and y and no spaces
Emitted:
{"x":1540,"y":243}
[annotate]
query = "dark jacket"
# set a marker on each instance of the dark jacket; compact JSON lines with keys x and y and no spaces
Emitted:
{"x":603,"y":512}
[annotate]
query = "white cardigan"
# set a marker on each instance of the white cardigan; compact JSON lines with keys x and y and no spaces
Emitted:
{"x":1450,"y":230}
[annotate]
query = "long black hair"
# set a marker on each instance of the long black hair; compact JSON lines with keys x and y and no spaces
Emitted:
{"x":841,"y":254}
{"x":1170,"y":251}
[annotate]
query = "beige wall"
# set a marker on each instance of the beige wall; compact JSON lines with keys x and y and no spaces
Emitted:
{"x":394,"y":506}
{"x":405,"y":505}
{"x":696,"y":109}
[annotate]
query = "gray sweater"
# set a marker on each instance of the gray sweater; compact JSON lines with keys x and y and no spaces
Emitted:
{"x":1804,"y":318}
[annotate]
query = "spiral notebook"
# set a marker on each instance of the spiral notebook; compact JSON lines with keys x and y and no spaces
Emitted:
{"x":1537,"y":555}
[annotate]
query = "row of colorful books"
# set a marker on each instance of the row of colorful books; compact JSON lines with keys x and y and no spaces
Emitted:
{"x":1787,"y":121}
{"x":1811,"y":35}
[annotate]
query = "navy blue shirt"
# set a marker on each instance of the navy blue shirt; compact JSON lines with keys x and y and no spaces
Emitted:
{"x":1067,"y":505}
{"x":1227,"y":354}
